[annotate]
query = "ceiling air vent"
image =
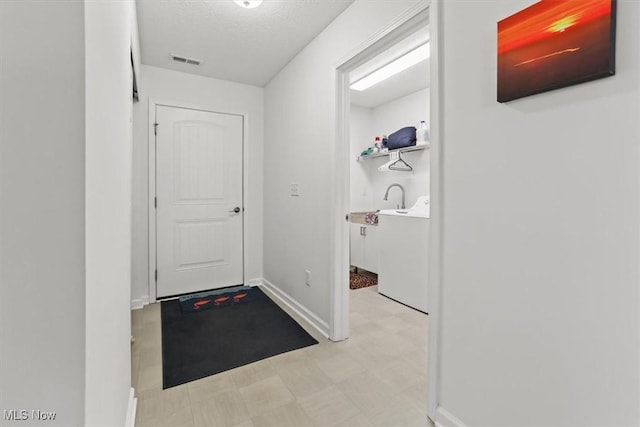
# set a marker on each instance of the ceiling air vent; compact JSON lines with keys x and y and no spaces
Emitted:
{"x":185,"y":60}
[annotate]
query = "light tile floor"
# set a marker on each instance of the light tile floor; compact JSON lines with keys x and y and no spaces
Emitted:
{"x":375,"y":378}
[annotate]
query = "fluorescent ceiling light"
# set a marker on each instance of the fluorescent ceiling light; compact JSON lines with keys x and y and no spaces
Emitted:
{"x":248,"y":4}
{"x":419,"y":54}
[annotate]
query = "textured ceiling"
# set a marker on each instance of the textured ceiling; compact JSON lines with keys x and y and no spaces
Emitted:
{"x":242,"y":45}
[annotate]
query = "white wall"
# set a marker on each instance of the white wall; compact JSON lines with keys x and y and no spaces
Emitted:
{"x":360,"y":172}
{"x":216,"y":95}
{"x":367,"y":192}
{"x":108,"y":211}
{"x":299,"y":131}
{"x":408,"y":110}
{"x":42,"y":217}
{"x":541,"y":238}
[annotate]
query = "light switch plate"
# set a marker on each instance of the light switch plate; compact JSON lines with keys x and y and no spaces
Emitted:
{"x":295,"y":189}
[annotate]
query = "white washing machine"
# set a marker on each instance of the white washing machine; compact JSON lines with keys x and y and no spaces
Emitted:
{"x":403,"y":237}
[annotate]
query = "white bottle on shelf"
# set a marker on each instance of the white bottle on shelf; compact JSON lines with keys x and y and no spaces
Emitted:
{"x":422,"y":134}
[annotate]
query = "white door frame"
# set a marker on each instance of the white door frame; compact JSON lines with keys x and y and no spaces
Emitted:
{"x":413,"y":18}
{"x":153,"y":103}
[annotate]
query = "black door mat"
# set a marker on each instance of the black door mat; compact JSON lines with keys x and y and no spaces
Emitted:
{"x":196,"y":344}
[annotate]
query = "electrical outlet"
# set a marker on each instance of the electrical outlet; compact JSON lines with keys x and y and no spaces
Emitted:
{"x":307,"y":277}
{"x":295,"y":189}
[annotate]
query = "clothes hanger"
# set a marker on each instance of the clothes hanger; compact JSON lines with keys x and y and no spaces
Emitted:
{"x":395,"y":163}
{"x":402,"y":165}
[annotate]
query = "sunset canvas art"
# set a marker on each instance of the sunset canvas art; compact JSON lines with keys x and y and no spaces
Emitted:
{"x":553,"y":44}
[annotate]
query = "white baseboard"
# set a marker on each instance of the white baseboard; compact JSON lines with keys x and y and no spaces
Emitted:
{"x":258,"y":281}
{"x":139,"y":302}
{"x":320,"y":325}
{"x":131,"y":409}
{"x":445,"y":418}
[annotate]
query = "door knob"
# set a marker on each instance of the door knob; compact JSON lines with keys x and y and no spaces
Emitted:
{"x":235,"y":210}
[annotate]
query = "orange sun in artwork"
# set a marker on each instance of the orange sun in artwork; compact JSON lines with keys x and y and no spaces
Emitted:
{"x":562,"y":24}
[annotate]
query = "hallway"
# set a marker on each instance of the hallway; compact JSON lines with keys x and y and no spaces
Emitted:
{"x":376,"y":378}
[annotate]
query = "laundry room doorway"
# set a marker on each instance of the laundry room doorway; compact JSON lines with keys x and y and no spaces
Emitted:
{"x":413,"y":20}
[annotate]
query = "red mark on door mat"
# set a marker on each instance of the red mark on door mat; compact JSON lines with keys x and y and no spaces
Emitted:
{"x":198,"y":304}
{"x":220,"y":300}
{"x":238,"y":297}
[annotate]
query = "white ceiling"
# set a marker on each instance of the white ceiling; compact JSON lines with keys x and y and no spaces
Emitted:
{"x":404,"y":83}
{"x":242,"y":45}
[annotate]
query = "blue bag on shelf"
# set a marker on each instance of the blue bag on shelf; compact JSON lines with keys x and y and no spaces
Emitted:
{"x":404,"y":137}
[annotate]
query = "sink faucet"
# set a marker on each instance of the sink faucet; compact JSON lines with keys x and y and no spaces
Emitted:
{"x":386,"y":195}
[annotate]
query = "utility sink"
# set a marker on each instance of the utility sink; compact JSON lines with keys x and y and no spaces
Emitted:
{"x":405,"y":212}
{"x":419,"y":210}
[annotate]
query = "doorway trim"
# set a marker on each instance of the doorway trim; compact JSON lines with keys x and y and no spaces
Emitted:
{"x":151,"y":188}
{"x":405,"y":24}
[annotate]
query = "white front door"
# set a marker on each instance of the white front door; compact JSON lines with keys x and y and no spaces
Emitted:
{"x":199,"y":212}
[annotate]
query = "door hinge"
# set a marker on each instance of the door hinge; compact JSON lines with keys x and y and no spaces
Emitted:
{"x":155,"y":202}
{"x":155,"y":128}
{"x":156,"y":275}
